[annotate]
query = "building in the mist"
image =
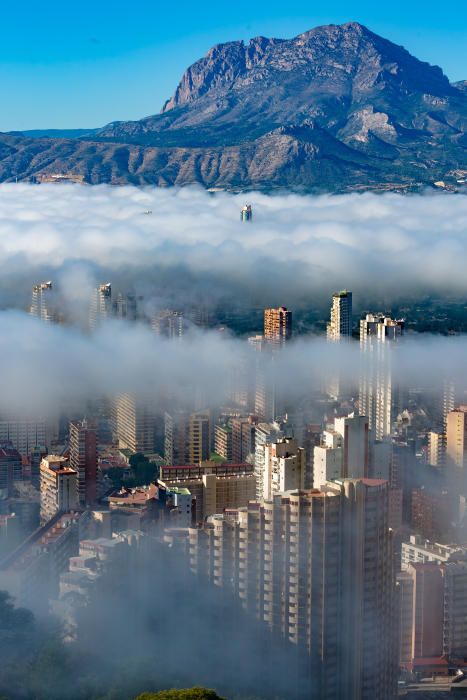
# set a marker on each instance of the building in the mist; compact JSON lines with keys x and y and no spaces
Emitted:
{"x":316,"y":568}
{"x":11,"y":467}
{"x":43,"y":302}
{"x":449,"y":399}
{"x":134,"y":421}
{"x":340,"y":323}
{"x":214,"y":487}
{"x":265,"y":434}
{"x":31,"y":572}
{"x":436,"y":456}
{"x":328,"y":459}
{"x":256,"y":342}
{"x":284,"y":467}
{"x":101,"y":305}
{"x":168,"y":323}
{"x":377,"y":397}
{"x":223,"y":441}
{"x":246,"y":213}
{"x":25,"y":435}
{"x":344,"y":451}
{"x":355,"y":441}
{"x":433,"y":621}
{"x":58,"y":487}
{"x":266,"y":406}
{"x":176,"y":437}
{"x":199,"y":435}
{"x":432,"y":513}
{"x":456,"y":438}
{"x":83,"y":459}
{"x":277,"y":326}
{"x":126,"y":307}
{"x":187,"y":437}
{"x":243,"y":438}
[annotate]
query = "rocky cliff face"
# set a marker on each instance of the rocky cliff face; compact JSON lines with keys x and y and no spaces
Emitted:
{"x":333,"y":109}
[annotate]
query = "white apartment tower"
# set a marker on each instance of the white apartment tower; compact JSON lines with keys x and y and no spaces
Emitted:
{"x":101,"y":305}
{"x":42,"y":302}
{"x":379,"y":334}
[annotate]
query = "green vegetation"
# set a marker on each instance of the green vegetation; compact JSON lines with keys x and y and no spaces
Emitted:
{"x":181,"y":694}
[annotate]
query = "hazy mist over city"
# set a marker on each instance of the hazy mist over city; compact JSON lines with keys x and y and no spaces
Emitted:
{"x":175,"y":245}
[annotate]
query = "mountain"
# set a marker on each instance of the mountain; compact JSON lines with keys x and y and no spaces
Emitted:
{"x":337,"y":108}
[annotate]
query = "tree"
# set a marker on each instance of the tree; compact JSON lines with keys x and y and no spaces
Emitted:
{"x":196,"y":693}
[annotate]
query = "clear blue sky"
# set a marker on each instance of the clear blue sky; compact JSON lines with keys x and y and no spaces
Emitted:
{"x":79,"y":63}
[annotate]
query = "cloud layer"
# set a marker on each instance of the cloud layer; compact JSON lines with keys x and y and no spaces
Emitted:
{"x":296,"y":251}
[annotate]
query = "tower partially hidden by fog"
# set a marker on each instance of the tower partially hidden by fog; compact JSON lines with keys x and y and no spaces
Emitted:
{"x":277,"y":326}
{"x":378,"y":336}
{"x":340,"y":323}
{"x":42,"y":305}
{"x":101,"y":305}
{"x":246,"y":213}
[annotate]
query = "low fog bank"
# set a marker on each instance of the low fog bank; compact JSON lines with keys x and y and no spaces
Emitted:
{"x":182,"y":244}
{"x":46,"y":366}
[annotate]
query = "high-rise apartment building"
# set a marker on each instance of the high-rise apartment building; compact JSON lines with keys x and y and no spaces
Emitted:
{"x":243,"y":438}
{"x":277,"y":326}
{"x":43,"y":302}
{"x":340,"y":323}
{"x":213,"y":487}
{"x":265,"y":434}
{"x":83,"y":459}
{"x":176,"y":437}
{"x":134,"y":421}
{"x":456,"y":438}
{"x":168,"y":324}
{"x":316,"y":568}
{"x":25,"y":435}
{"x":377,"y":397}
{"x":101,"y":305}
{"x":284,"y":467}
{"x":199,"y":432}
{"x":436,"y":456}
{"x":355,"y":442}
{"x":344,"y":451}
{"x":223,"y":441}
{"x":58,"y":487}
{"x":126,"y":307}
{"x":246,"y":213}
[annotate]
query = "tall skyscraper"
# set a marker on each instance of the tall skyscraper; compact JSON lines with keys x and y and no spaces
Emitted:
{"x":277,"y":326}
{"x":168,"y":324}
{"x":83,"y":459}
{"x":199,"y":431}
{"x":58,"y":486}
{"x":456,"y":438}
{"x":42,"y":305}
{"x":284,"y":467}
{"x":316,"y":568}
{"x":340,"y":323}
{"x":126,"y":307}
{"x":176,"y":437}
{"x":134,"y":422}
{"x":246,"y":213}
{"x":379,"y":335}
{"x":101,"y":305}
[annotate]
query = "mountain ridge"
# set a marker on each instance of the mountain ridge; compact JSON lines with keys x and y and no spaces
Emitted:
{"x":336,"y":108}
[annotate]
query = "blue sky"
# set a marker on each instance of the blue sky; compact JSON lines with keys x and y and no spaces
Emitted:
{"x":82,"y":64}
